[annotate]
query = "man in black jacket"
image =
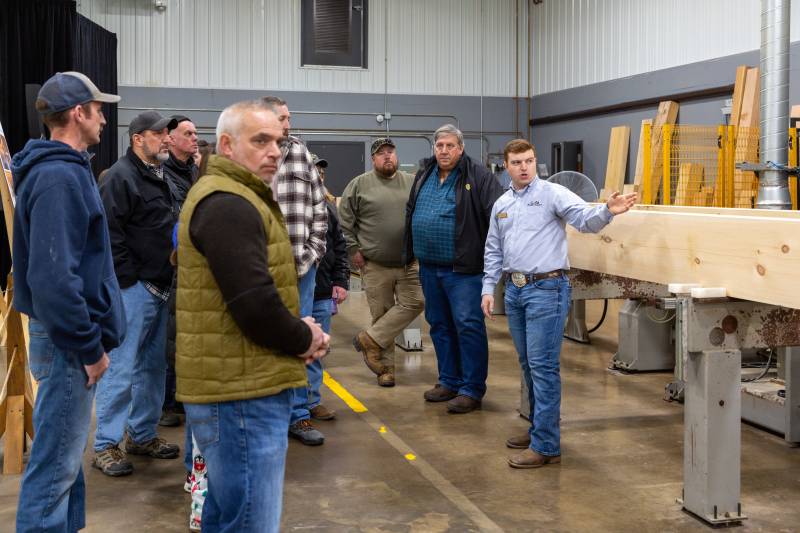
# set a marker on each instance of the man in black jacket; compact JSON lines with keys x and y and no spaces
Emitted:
{"x":182,"y":172}
{"x":330,"y":289}
{"x":180,"y":167}
{"x":141,"y":210}
{"x":447,"y":219}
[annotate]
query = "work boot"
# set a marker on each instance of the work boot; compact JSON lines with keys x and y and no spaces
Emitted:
{"x":305,"y":432}
{"x":320,"y":412}
{"x":371,"y":351}
{"x":463,"y":404}
{"x":439,"y":393}
{"x":386,"y":379}
{"x":155,"y":447}
{"x":532,"y":459}
{"x":519,"y":442}
{"x":112,"y":462}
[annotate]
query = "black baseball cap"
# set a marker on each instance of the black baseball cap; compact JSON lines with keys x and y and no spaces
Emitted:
{"x":383,"y":141}
{"x":152,"y":121}
{"x":179,"y":119}
{"x":318,"y":161}
{"x":65,"y":90}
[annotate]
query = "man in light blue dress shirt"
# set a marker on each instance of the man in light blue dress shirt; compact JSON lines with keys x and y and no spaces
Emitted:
{"x":527,"y":242}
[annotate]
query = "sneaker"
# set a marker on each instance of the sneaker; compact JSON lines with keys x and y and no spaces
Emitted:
{"x":187,"y":485}
{"x":320,"y":412}
{"x":305,"y":432}
{"x":112,"y":462}
{"x":169,"y":419}
{"x":155,"y":447}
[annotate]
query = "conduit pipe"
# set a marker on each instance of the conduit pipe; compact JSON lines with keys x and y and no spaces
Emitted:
{"x":773,"y":186}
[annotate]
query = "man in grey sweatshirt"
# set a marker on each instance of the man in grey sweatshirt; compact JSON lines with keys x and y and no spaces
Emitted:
{"x":372,"y":216}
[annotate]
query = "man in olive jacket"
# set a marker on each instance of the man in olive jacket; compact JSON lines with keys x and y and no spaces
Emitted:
{"x":447,"y":219}
{"x":236,"y":272}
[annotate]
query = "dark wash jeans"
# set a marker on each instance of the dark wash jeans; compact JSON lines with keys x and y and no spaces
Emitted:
{"x":244,"y":444}
{"x":453,"y":310}
{"x":53,"y":494}
{"x":536,"y":315}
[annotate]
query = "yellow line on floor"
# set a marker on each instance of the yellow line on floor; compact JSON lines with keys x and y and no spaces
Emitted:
{"x":342,"y":393}
{"x":436,"y":479}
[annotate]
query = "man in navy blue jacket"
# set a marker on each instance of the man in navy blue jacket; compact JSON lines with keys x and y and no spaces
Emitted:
{"x":64,"y":281}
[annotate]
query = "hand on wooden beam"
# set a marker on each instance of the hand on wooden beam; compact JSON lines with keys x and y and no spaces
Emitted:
{"x":620,"y":203}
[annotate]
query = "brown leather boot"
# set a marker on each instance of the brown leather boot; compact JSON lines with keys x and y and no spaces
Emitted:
{"x":531,"y":459}
{"x":371,"y":351}
{"x":519,"y":442}
{"x":386,"y":379}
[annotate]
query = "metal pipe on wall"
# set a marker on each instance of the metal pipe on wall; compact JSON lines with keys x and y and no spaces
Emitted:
{"x":773,"y":186}
{"x":298,"y":112}
{"x":529,"y":70}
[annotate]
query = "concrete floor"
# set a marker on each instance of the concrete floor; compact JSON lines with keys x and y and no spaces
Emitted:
{"x":621,"y":470}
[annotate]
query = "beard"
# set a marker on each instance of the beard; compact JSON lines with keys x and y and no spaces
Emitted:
{"x":162,"y":157}
{"x":386,"y":170}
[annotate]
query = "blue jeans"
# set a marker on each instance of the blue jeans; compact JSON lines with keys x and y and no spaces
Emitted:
{"x":453,"y":310}
{"x":130,"y":395}
{"x":53,"y":493}
{"x":322,"y":314}
{"x":244,"y":444}
{"x":188,"y":460}
{"x":301,"y":402}
{"x":536,"y":315}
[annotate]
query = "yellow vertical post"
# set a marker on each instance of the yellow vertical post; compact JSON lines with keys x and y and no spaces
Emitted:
{"x":793,"y":163}
{"x":666,"y":146}
{"x":730,"y":144}
{"x":647,"y":174}
{"x":719,"y":185}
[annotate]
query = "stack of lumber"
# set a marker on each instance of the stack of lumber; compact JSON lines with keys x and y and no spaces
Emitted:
{"x":667,"y":114}
{"x":745,"y":115}
{"x":639,"y":174}
{"x":617,"y":161}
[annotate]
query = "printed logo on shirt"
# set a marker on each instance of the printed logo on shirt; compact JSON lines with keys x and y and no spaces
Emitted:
{"x":468,"y":186}
{"x":502,"y":215}
{"x":536,"y":203}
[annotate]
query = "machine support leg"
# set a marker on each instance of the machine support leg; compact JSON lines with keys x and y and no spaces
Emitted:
{"x":712,"y":436}
{"x":792,"y":394}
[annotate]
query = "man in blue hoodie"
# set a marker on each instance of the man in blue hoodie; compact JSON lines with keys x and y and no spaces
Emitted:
{"x":64,"y":281}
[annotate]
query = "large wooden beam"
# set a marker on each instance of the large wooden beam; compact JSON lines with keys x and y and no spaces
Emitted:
{"x":754,"y":257}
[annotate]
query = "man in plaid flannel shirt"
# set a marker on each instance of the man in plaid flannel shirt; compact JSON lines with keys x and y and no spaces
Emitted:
{"x":301,"y":196}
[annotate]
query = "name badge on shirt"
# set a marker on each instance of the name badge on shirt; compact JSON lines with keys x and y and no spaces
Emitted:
{"x":502,"y":215}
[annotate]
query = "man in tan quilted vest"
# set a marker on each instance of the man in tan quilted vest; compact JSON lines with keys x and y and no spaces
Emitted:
{"x":234,"y":375}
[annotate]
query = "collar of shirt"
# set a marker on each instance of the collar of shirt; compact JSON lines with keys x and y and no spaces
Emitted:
{"x":529,"y":187}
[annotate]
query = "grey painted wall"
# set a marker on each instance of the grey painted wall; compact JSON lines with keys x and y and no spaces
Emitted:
{"x":409,"y":132}
{"x":594,"y":131}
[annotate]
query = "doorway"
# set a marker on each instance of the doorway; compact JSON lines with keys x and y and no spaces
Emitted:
{"x":345,"y":162}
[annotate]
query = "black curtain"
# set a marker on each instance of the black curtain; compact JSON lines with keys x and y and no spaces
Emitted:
{"x":95,"y":54}
{"x":37,"y":39}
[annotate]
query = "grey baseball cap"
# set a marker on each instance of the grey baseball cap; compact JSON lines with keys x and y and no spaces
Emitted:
{"x":65,"y":90}
{"x":151,"y":121}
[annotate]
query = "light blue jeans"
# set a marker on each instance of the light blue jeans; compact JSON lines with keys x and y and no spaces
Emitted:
{"x":244,"y":444}
{"x":301,"y":404}
{"x":53,"y":493}
{"x":536,"y":315}
{"x":130,"y":395}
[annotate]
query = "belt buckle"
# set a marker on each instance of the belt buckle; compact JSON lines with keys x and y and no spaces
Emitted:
{"x":519,"y":279}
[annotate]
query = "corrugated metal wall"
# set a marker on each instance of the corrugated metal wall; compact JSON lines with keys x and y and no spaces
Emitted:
{"x":579,"y":42}
{"x":454,"y":47}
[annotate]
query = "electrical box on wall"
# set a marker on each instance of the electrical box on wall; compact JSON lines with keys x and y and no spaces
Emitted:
{"x":566,"y":155}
